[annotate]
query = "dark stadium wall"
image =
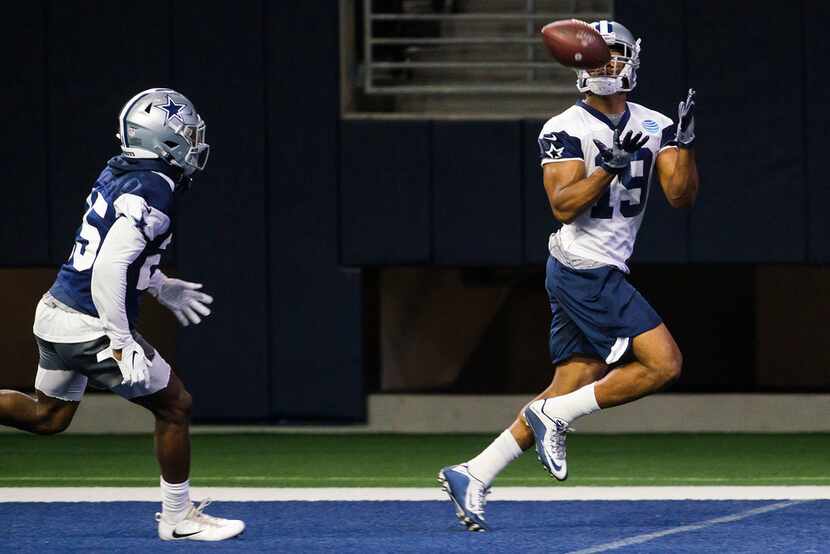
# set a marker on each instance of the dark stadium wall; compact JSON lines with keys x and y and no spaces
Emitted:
{"x":259,"y":227}
{"x":315,"y":304}
{"x":761,"y":127}
{"x":296,"y":200}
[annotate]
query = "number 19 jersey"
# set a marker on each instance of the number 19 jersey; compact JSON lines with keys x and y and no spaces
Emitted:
{"x":605,"y":232}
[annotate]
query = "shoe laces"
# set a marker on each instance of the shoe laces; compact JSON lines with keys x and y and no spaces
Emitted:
{"x":197,"y":513}
{"x":557,"y":439}
{"x":478,"y":500}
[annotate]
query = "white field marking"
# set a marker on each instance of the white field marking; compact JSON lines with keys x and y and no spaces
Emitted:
{"x":639,"y":539}
{"x":546,"y":494}
{"x":368,"y":479}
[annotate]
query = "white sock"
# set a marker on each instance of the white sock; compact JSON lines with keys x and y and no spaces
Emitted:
{"x":175,"y":500}
{"x":573,"y":405}
{"x":494,"y":458}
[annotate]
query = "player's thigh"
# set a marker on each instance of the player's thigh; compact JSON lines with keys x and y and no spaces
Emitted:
{"x":94,"y":360}
{"x":606,"y":308}
{"x":56,"y":410}
{"x":657,"y":349}
{"x":576,"y":372}
{"x":567,"y":343}
{"x":57,"y":381}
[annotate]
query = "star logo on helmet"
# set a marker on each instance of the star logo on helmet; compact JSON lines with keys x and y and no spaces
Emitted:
{"x":171,"y":110}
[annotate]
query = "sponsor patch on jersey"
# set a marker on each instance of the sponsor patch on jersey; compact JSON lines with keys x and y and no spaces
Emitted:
{"x":651,"y":126}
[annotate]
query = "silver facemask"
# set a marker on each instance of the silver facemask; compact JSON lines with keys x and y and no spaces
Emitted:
{"x":163,"y":123}
{"x":603,"y":82}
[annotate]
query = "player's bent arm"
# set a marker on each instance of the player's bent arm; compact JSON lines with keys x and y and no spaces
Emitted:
{"x":570,"y":191}
{"x":677,"y":171}
{"x":122,"y":245}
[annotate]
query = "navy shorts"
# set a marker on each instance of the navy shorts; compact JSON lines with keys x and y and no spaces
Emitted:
{"x":596,"y":312}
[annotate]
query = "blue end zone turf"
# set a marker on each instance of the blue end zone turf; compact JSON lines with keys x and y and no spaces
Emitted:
{"x":428,"y":526}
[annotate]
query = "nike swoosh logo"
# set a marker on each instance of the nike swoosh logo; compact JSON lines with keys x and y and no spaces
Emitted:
{"x":134,"y":354}
{"x":556,"y":467}
{"x":181,"y":536}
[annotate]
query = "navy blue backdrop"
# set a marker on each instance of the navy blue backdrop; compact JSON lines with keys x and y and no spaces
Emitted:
{"x":294,"y":196}
{"x":760,"y":123}
{"x":259,"y":227}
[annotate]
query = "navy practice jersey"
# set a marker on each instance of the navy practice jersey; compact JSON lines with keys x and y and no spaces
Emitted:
{"x":141,"y":190}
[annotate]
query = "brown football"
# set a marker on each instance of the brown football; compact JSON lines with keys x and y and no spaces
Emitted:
{"x":575,"y":43}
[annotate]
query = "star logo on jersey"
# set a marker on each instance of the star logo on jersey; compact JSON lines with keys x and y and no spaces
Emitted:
{"x":171,"y":110}
{"x":555,"y":152}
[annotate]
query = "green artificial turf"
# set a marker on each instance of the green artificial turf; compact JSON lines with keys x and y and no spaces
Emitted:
{"x":310,"y":460}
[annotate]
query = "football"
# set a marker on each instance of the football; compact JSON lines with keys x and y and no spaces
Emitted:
{"x":574,"y":43}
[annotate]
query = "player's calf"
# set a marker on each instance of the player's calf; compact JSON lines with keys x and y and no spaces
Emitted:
{"x":42,"y":415}
{"x":171,"y":407}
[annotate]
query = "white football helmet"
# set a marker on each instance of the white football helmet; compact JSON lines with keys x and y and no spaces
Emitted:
{"x":602,"y":81}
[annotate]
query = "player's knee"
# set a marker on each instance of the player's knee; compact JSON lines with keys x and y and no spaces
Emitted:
{"x":185,"y":404}
{"x":179,"y":409}
{"x":592,"y":372}
{"x":52,"y":423}
{"x":672,"y":367}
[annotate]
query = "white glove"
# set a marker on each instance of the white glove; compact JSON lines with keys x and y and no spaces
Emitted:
{"x":184,"y":300}
{"x":133,"y":365}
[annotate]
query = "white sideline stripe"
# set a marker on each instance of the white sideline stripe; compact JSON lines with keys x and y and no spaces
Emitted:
{"x":639,"y":539}
{"x":665,"y":481}
{"x":542,"y":494}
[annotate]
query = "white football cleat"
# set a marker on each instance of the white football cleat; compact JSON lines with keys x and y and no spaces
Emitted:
{"x":198,"y":526}
{"x":468,"y":494}
{"x":549,"y":433}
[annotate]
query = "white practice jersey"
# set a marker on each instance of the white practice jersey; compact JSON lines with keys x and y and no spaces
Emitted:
{"x":605,"y":232}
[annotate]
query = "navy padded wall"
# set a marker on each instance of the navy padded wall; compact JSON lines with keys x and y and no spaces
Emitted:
{"x":385,"y":192}
{"x":96,"y":62}
{"x":316,"y":334}
{"x":816,"y":50}
{"x":751,"y":207}
{"x":24,"y":221}
{"x":218,"y":64}
{"x":477,"y":188}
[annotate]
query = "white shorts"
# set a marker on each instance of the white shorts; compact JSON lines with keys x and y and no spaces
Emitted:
{"x":64,"y":369}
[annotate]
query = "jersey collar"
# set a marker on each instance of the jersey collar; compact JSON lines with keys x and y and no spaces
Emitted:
{"x":125,"y":164}
{"x":602,"y":117}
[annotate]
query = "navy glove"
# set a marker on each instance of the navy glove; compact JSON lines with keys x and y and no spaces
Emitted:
{"x":617,"y":158}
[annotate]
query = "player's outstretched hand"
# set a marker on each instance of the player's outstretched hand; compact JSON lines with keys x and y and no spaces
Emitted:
{"x":184,"y":300}
{"x":685,"y":137}
{"x":133,"y":365}
{"x":617,"y":158}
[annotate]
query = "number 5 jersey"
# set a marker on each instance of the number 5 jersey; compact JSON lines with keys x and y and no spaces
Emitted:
{"x":604,"y":234}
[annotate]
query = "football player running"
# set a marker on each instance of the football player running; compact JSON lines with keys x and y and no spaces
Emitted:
{"x":607,"y":344}
{"x":85,"y":324}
